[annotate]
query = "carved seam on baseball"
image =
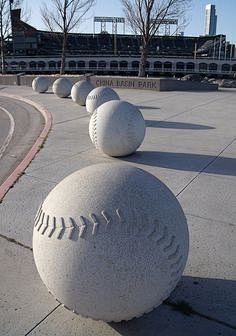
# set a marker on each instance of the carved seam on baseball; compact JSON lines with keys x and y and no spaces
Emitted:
{"x":92,"y":225}
{"x":117,"y":128}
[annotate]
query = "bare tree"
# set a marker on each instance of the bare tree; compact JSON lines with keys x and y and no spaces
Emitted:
{"x":64,"y":15}
{"x":145,"y":18}
{"x":5,"y":21}
{"x":5,"y":25}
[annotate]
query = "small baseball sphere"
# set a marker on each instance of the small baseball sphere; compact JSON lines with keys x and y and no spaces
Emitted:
{"x":117,"y":128}
{"x":99,"y":96}
{"x":110,"y":242}
{"x":40,"y":84}
{"x":62,"y":87}
{"x":80,"y":91}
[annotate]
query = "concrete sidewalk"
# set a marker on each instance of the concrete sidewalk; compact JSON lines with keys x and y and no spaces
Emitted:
{"x":190,"y":145}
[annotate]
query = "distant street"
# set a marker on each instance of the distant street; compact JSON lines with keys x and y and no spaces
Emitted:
{"x":20,"y":124}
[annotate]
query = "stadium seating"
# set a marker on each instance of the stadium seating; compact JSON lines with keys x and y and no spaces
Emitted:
{"x":50,"y":44}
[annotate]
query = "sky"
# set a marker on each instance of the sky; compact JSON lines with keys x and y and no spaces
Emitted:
{"x":225,"y":10}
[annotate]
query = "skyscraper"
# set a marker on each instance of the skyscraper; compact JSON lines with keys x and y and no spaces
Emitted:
{"x":210,"y":20}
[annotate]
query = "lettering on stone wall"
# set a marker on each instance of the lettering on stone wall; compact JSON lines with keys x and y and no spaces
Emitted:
{"x":147,"y":85}
{"x":104,"y":82}
{"x":127,"y":83}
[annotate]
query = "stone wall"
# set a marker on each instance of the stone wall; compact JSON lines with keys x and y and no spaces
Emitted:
{"x":156,"y":84}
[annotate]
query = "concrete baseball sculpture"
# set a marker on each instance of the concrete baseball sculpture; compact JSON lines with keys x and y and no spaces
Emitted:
{"x":117,"y":128}
{"x":99,"y":96}
{"x":40,"y":84}
{"x":80,"y":91}
{"x":62,"y":87}
{"x":110,"y":242}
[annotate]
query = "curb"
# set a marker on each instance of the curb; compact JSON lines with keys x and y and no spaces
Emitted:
{"x":8,"y":183}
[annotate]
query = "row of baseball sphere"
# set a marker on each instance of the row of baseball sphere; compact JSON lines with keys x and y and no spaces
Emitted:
{"x":121,"y":233}
{"x":116,"y":128}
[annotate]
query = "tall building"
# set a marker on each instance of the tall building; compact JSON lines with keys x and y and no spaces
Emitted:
{"x":210,"y":20}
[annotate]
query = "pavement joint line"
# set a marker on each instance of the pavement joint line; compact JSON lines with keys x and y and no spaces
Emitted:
{"x":51,"y":312}
{"x":10,"y":133}
{"x":179,"y":306}
{"x":57,"y":161}
{"x":9,"y":182}
{"x":65,"y":121}
{"x":210,"y":219}
{"x":41,"y":179}
{"x":13,"y":241}
{"x":204,"y":168}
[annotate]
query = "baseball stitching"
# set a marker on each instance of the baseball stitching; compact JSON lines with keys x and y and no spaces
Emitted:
{"x":94,"y":223}
{"x":94,"y":129}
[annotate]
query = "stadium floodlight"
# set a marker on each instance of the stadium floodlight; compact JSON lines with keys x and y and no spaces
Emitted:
{"x":167,"y":23}
{"x":105,"y":19}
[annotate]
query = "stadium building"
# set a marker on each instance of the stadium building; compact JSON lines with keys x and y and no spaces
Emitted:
{"x":34,"y":51}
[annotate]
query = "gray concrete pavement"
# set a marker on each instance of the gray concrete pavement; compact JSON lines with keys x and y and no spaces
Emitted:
{"x":28,"y":123}
{"x":23,"y":298}
{"x":190,"y":145}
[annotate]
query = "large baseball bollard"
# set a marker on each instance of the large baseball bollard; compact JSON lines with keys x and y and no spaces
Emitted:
{"x":117,"y":128}
{"x":110,"y":242}
{"x":40,"y":84}
{"x":80,"y":91}
{"x":99,"y":96}
{"x":62,"y":87}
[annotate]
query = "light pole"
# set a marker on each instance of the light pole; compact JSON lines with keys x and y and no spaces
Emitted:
{"x":220,"y":45}
{"x":12,"y":34}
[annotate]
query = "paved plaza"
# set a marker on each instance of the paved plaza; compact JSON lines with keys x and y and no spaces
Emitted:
{"x":190,"y":145}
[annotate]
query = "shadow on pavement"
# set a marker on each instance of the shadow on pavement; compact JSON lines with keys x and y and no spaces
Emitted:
{"x":211,"y":307}
{"x":144,"y":107}
{"x":176,"y":125}
{"x":185,"y":161}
